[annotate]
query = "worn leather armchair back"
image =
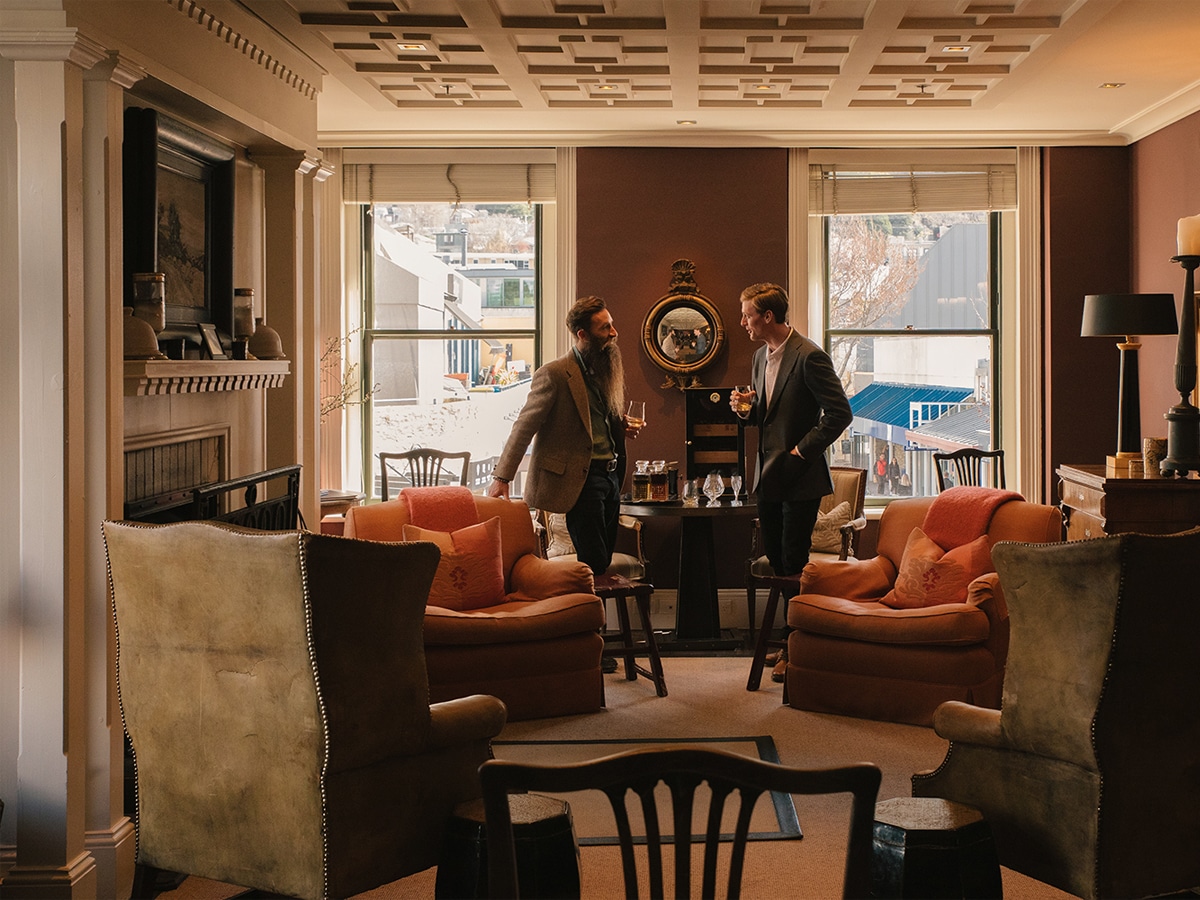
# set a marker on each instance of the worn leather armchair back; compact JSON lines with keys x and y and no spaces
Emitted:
{"x":273,"y":688}
{"x":1087,"y":772}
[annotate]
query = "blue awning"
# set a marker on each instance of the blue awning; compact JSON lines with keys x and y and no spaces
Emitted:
{"x":902,"y":406}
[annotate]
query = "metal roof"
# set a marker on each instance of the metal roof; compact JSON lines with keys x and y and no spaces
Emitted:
{"x":967,"y":427}
{"x":891,"y":404}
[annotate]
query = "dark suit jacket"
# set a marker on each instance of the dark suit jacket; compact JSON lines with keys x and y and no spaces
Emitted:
{"x":556,"y":419}
{"x":808,"y":411}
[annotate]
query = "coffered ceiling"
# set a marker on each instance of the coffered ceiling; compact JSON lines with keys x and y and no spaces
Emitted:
{"x":746,"y":72}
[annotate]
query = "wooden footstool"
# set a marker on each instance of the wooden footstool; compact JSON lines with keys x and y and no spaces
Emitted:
{"x":932,"y":848}
{"x":547,"y":853}
{"x":620,"y":588}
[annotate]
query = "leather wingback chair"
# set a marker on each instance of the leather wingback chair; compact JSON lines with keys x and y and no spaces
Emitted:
{"x":537,"y":648}
{"x":1087,"y":773}
{"x":273,"y":688}
{"x":848,"y":653}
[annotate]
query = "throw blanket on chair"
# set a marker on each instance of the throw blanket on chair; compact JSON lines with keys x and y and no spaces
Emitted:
{"x":447,"y":508}
{"x":961,"y":514}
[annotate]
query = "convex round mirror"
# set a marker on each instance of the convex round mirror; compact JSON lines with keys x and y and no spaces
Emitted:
{"x":683,"y":332}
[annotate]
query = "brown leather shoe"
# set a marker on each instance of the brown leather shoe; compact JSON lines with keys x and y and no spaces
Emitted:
{"x":773,"y":657}
{"x":779,"y":673}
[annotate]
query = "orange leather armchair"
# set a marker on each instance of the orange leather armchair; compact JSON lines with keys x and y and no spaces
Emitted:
{"x":849,"y":653}
{"x":537,"y":648}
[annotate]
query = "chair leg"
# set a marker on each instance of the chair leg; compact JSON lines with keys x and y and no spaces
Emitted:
{"x":751,"y":601}
{"x":622,"y":603}
{"x":764,"y":640}
{"x":656,"y":666}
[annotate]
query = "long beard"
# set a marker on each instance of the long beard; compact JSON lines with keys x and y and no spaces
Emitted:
{"x":608,"y":374}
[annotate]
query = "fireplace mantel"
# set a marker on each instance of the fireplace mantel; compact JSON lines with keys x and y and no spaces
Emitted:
{"x":194,"y":376}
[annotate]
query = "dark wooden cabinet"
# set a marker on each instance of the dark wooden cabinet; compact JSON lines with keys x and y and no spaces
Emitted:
{"x":715,"y":435}
{"x":1095,"y":503}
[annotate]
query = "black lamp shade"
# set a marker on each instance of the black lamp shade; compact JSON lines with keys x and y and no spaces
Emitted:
{"x":1121,"y":315}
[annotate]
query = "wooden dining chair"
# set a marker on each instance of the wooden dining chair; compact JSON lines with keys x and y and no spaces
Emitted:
{"x":974,"y":467}
{"x":425,"y":467}
{"x":682,"y":771}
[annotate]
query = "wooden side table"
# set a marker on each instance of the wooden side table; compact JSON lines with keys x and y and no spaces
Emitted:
{"x":1095,"y":503}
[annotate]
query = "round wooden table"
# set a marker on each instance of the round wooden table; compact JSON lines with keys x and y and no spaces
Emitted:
{"x":697,"y":614}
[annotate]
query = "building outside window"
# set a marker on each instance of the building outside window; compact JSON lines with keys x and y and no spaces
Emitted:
{"x":450,"y":336}
{"x":911,"y":318}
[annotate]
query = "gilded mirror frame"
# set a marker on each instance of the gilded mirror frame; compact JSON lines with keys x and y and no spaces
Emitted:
{"x":683,"y":333}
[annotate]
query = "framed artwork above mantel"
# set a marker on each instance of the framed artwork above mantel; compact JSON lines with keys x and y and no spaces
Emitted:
{"x":178,"y":220}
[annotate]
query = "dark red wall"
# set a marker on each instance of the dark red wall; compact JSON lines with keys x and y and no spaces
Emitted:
{"x":1086,"y":216}
{"x":639,"y":210}
{"x":1165,"y":189}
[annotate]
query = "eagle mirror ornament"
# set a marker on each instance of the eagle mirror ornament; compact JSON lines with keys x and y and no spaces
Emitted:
{"x":683,"y":333}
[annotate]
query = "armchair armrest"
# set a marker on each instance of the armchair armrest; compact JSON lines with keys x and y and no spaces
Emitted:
{"x":535,"y":578}
{"x":465,"y":719}
{"x":962,"y":722}
{"x":852,"y":579}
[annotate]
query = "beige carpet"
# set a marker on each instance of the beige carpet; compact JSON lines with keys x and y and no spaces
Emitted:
{"x":708,"y":698}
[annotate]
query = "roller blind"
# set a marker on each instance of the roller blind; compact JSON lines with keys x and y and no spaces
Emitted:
{"x":447,"y":182}
{"x":849,"y":190}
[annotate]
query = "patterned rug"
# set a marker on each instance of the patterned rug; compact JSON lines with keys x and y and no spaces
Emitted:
{"x":593,"y":817}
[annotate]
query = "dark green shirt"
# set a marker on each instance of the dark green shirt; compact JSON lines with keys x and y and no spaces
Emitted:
{"x":602,"y":442}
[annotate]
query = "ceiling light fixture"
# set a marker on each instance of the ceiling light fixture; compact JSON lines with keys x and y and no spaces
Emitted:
{"x":1112,"y":85}
{"x":606,"y":87}
{"x":685,"y":121}
{"x":957,"y":48}
{"x":762,"y":87}
{"x":412,"y":47}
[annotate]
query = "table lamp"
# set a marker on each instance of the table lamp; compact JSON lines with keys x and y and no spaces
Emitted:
{"x":1128,"y":316}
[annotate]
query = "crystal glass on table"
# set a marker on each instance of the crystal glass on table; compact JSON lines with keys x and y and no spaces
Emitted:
{"x":735,"y":483}
{"x":691,"y":492}
{"x":714,"y":487}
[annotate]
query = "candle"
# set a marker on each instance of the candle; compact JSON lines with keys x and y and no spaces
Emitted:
{"x":1189,"y":236}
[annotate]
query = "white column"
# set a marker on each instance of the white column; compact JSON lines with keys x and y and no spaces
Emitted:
{"x":109,"y":833}
{"x":43,"y":701}
{"x":293,"y":411}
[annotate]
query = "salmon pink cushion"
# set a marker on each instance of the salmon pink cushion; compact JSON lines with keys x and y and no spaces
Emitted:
{"x":471,"y":572}
{"x":929,"y":575}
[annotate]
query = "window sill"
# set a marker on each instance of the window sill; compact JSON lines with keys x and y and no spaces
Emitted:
{"x":195,"y":376}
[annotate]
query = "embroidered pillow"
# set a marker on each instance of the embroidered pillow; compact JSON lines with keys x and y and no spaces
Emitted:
{"x":470,"y":574}
{"x":827,"y":535}
{"x":929,"y":576}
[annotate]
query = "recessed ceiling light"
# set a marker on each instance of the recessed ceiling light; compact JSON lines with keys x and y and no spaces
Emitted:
{"x":1112,"y":85}
{"x":957,"y":48}
{"x":606,"y":87}
{"x":685,"y":121}
{"x":762,"y":87}
{"x":412,"y":46}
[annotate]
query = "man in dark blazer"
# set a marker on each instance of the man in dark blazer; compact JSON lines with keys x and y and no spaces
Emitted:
{"x":798,"y":403}
{"x":574,"y":416}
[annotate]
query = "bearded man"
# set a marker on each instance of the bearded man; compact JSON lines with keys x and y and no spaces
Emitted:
{"x":574,"y":416}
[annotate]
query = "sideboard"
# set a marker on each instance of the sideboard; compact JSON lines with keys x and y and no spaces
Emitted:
{"x":1095,"y":503}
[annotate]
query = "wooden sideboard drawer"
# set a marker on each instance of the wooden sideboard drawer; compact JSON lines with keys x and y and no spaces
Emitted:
{"x":1082,"y":498}
{"x":1081,"y":526}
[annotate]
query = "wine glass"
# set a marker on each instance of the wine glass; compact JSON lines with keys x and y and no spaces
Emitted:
{"x":735,"y":482}
{"x":635,"y":416}
{"x":714,"y":487}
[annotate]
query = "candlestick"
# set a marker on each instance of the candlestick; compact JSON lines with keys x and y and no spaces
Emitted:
{"x":1183,"y":419}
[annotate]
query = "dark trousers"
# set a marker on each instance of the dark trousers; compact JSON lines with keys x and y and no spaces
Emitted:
{"x":787,"y":527}
{"x":592,"y":521}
